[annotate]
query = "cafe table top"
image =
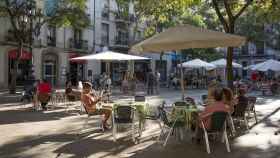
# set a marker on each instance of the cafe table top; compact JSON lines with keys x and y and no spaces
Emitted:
{"x":185,"y":113}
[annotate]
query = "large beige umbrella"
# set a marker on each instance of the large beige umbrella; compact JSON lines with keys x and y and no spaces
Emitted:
{"x":185,"y":37}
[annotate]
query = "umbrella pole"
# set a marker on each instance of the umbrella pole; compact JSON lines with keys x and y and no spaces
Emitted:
{"x":108,"y":68}
{"x":182,"y":79}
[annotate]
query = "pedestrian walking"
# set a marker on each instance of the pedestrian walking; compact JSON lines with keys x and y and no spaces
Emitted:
{"x":157,"y":82}
{"x":150,"y":82}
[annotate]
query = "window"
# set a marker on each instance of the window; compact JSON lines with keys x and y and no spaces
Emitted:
{"x":51,"y":38}
{"x":138,"y":35}
{"x":244,"y":49}
{"x":105,"y":34}
{"x":122,"y":38}
{"x":77,"y":35}
{"x":105,"y":10}
{"x":260,"y":47}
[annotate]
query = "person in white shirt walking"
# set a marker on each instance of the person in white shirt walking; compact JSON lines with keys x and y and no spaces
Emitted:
{"x":157,"y":84}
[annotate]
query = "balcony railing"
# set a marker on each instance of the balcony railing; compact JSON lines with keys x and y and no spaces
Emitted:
{"x":51,"y":41}
{"x":78,"y":44}
{"x":105,"y":13}
{"x":119,"y":17}
{"x":121,"y":41}
{"x":255,"y":55}
{"x":105,"y":40}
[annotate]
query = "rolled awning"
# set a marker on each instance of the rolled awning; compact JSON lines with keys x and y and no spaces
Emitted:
{"x":25,"y":55}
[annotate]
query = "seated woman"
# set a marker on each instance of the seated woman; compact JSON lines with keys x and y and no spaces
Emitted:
{"x":242,"y":97}
{"x":228,"y":98}
{"x":44,"y":90}
{"x":124,"y":87}
{"x":217,"y":106}
{"x":89,"y":100}
{"x":210,"y":96}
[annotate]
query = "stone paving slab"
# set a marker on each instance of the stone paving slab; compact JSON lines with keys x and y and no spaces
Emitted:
{"x":54,"y":134}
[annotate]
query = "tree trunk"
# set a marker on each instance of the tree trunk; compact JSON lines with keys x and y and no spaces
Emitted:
{"x":229,"y":67}
{"x":14,"y":71}
{"x":230,"y":58}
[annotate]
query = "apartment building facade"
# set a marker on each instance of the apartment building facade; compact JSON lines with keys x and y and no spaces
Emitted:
{"x":54,"y":47}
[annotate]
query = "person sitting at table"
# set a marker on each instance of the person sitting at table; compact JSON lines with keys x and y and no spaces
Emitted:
{"x":274,"y":86}
{"x":124,"y":85}
{"x":241,"y":99}
{"x":89,"y":99}
{"x":228,"y":98}
{"x":44,"y":89}
{"x":205,"y":116}
{"x":69,"y":92}
{"x":210,"y":96}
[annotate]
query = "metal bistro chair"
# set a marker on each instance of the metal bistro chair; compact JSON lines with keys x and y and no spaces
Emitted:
{"x":143,"y":114}
{"x":168,"y":126}
{"x":218,"y":127}
{"x":204,"y":98}
{"x":69,"y":100}
{"x":239,"y":113}
{"x":190,"y":100}
{"x":89,"y":115}
{"x":181,"y":104}
{"x":123,"y":115}
{"x":251,"y":107}
{"x":139,"y":98}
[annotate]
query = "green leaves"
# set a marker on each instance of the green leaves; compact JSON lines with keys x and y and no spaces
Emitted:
{"x":161,"y":14}
{"x":70,"y":13}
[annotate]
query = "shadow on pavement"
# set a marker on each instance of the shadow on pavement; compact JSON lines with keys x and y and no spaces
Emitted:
{"x":23,"y":115}
{"x":16,"y":148}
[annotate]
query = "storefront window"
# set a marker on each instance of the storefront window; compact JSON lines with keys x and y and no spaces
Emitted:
{"x":50,"y":68}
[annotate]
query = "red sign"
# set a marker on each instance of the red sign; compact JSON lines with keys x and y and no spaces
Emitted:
{"x":24,"y":55}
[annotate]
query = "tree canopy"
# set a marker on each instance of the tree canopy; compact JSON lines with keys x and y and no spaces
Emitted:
{"x":70,"y":13}
{"x":160,"y":14}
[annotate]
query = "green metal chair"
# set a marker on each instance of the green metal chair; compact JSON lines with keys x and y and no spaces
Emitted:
{"x":218,"y":127}
{"x":168,"y":125}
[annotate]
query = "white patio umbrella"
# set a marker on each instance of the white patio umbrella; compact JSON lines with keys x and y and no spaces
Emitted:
{"x":249,"y":67}
{"x":271,"y":64}
{"x":222,"y":63}
{"x":197,"y":63}
{"x":109,"y":56}
{"x":185,"y":37}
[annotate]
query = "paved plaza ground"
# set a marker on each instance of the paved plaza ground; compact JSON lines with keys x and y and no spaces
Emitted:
{"x":54,"y":134}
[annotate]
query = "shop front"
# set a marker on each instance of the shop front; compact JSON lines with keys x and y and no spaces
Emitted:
{"x":24,"y":69}
{"x":141,"y":68}
{"x":50,"y":68}
{"x":77,"y":69}
{"x":161,"y":67}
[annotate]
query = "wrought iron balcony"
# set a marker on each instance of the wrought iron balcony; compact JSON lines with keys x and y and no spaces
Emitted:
{"x":105,"y":40}
{"x":105,"y":13}
{"x":259,"y":55}
{"x":51,"y":41}
{"x":78,"y":44}
{"x":120,"y":17}
{"x":121,"y":41}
